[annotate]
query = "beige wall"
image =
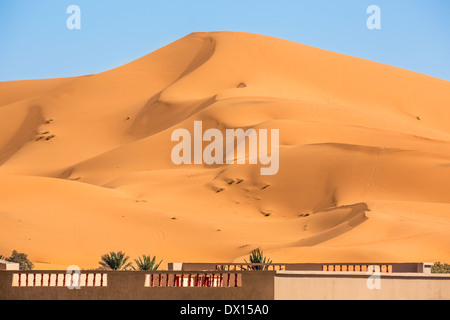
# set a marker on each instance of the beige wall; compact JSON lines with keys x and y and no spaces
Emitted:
{"x":340,"y":286}
{"x":282,"y":285}
{"x":8,"y":265}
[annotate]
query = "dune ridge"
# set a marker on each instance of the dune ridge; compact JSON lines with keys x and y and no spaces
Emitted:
{"x":85,"y":163}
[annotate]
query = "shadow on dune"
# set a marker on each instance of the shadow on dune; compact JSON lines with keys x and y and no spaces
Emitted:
{"x":158,"y":115}
{"x":25,"y":133}
{"x":353,"y":216}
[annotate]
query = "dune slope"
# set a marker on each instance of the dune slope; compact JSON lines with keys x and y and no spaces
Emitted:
{"x":85,"y":163}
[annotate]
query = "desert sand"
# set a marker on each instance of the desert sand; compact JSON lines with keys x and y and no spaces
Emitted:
{"x":85,"y":164}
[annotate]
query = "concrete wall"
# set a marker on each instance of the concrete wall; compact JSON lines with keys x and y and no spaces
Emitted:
{"x":353,"y":286}
{"x":130,"y":286}
{"x":267,"y":285}
{"x":5,"y":265}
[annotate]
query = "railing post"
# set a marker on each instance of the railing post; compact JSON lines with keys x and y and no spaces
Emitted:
{"x":71,"y":279}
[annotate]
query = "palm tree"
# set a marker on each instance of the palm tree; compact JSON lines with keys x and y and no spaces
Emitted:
{"x":2,"y":257}
{"x":257,"y":256}
{"x":115,"y":261}
{"x":147,"y":263}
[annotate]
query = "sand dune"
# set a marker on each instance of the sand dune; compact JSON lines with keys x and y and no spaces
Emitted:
{"x":85,"y":163}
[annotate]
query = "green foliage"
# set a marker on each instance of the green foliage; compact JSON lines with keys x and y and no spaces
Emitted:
{"x":115,"y":261}
{"x":222,"y":268}
{"x":257,"y":256}
{"x":21,"y":259}
{"x":440,"y":268}
{"x":147,"y":263}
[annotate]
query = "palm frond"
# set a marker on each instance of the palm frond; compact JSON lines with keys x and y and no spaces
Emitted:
{"x":257,"y":257}
{"x":147,"y":263}
{"x":115,"y":261}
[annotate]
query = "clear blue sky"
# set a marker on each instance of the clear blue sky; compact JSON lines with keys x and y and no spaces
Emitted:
{"x":35,"y":42}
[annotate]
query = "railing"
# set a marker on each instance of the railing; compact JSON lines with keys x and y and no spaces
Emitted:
{"x":190,"y":280}
{"x":59,"y":280}
{"x":250,"y":267}
{"x":357,"y":268}
{"x":185,"y":280}
{"x":316,"y":267}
